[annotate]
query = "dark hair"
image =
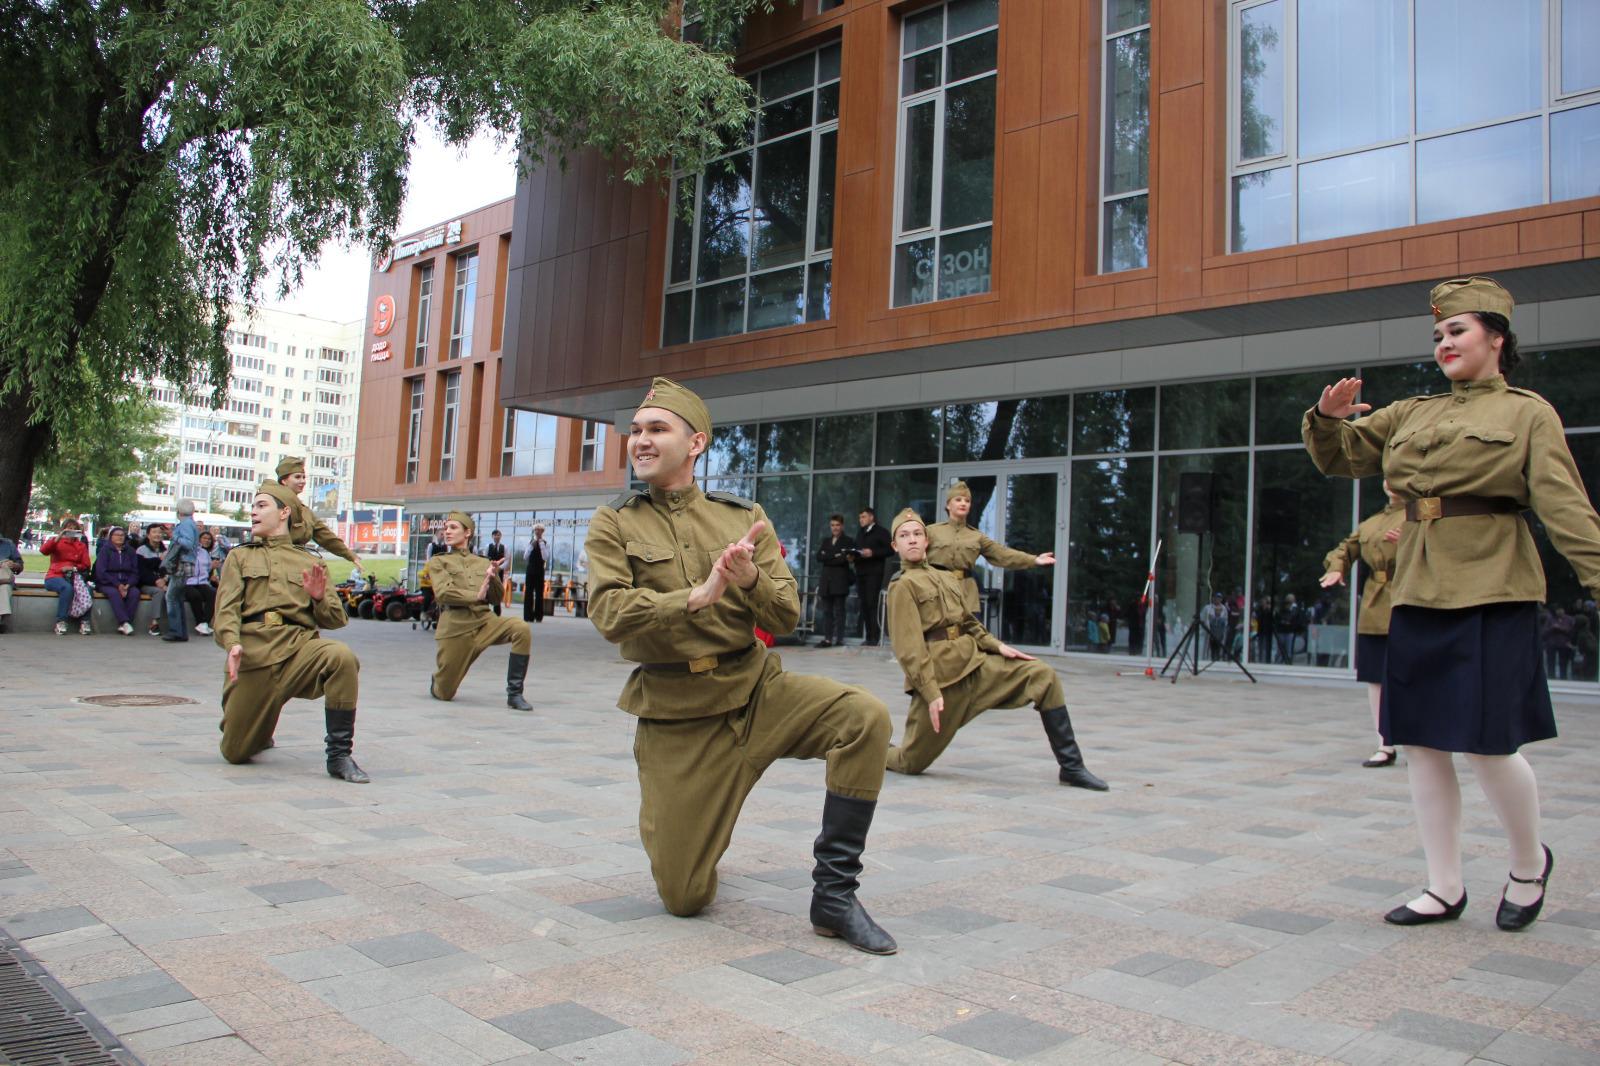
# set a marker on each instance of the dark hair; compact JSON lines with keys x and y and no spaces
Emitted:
{"x":1501,"y":325}
{"x":867,"y":510}
{"x":839,"y":518}
{"x":496,"y":533}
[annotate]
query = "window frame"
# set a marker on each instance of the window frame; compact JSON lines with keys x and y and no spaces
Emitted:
{"x":1106,"y":38}
{"x":413,"y":467}
{"x":815,"y":131}
{"x":509,"y":446}
{"x":424,"y":315}
{"x":903,"y":104}
{"x":592,"y":453}
{"x":450,"y":415}
{"x":463,"y":305}
{"x":1554,"y":103}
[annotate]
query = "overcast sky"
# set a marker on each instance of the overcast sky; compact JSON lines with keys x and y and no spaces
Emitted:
{"x":444,"y":184}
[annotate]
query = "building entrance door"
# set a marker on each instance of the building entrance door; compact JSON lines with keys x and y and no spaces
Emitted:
{"x":1018,"y":509}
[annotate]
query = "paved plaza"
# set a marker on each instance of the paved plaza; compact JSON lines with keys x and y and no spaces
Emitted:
{"x":485,"y":899}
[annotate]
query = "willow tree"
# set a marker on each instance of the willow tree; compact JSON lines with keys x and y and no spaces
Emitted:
{"x":160,"y":161}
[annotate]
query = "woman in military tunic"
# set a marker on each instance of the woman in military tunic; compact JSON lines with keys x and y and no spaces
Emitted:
{"x":304,"y":525}
{"x":955,"y":669}
{"x":956,"y":546}
{"x":466,"y":587}
{"x":1373,"y":542}
{"x":1463,"y":670}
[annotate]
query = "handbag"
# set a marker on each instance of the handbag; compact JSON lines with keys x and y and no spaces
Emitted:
{"x":82,"y":598}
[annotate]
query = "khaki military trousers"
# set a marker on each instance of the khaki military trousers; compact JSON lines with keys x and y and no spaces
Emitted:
{"x":996,"y":683}
{"x":694,"y":774}
{"x":455,"y":655}
{"x":251,"y":705}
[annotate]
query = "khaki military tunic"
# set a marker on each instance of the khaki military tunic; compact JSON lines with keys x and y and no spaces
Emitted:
{"x":1482,"y":438}
{"x":715,"y":708}
{"x":1370,"y":544}
{"x":956,"y":546}
{"x":262,"y":606}
{"x":467,"y":625}
{"x":944,"y":651}
{"x":305,"y":526}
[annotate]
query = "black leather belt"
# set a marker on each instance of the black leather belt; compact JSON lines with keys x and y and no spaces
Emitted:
{"x":938,"y":633}
{"x":271,"y":618}
{"x":703,"y":665}
{"x":1431,"y":507}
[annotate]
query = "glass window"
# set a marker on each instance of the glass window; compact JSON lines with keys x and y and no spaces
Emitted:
{"x":451,"y":419}
{"x":530,"y":444}
{"x":1562,"y":587}
{"x":1575,"y":152}
{"x":1125,"y":181}
{"x":1283,"y":399}
{"x":1108,"y":550}
{"x":464,"y":305}
{"x":1383,"y":385}
{"x":1580,"y":59}
{"x":1566,"y":377}
{"x":732,"y":450}
{"x":787,"y":501}
{"x":1261,"y":77}
{"x":785,"y":446}
{"x":1357,"y":193}
{"x":1007,"y":429}
{"x":413,"y":430}
{"x":424,"y":320}
{"x":1299,"y":516}
{"x":1209,"y":414}
{"x":917,"y":488}
{"x":1193,"y":568}
{"x":1448,"y":31}
{"x":1118,"y":420}
{"x":843,"y":494}
{"x":1263,"y":209}
{"x":1042,"y":428}
{"x":844,"y":441}
{"x":1474,"y":173}
{"x":751,"y":238}
{"x":908,"y":436}
{"x":1354,"y":88}
{"x":947,"y":131}
{"x":594,"y":446}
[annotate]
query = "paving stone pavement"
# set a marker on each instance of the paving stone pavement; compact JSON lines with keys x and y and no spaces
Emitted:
{"x":485,"y":899}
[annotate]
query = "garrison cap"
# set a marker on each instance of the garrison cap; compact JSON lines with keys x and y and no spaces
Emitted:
{"x":907,"y":515}
{"x":278,"y":491}
{"x":958,"y":489}
{"x":1460,"y":295}
{"x":670,"y":396}
{"x":291,"y":464}
{"x":464,"y":518}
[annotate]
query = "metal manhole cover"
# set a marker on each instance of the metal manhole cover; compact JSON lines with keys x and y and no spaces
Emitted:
{"x":134,"y":699}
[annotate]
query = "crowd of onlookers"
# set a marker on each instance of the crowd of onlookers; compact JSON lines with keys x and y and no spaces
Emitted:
{"x":175,"y":566}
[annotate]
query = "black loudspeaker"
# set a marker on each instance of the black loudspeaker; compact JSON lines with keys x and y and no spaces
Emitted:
{"x":1280,"y":516}
{"x":1195,"y":502}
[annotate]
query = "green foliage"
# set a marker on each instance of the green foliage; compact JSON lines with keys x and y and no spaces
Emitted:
{"x":101,"y":455}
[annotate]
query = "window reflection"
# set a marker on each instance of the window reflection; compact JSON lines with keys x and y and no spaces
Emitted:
{"x":1299,"y":517}
{"x":1108,"y":551}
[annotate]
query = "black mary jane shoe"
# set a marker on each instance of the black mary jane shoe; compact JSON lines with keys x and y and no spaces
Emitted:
{"x":1384,"y":757}
{"x":1514,"y":916}
{"x":1404,"y":915}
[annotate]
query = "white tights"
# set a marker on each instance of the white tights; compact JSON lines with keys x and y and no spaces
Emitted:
{"x":1375,"y":698}
{"x":1508,"y":783}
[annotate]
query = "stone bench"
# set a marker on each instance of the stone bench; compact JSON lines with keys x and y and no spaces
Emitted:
{"x":33,"y":609}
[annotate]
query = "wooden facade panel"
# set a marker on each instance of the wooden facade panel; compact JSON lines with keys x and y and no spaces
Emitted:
{"x":1178,"y":194}
{"x":1178,"y":29}
{"x":1022,"y":64}
{"x":1435,"y":250}
{"x":1487,"y":241}
{"x":1375,"y":258}
{"x":1061,"y":27}
{"x":863,"y":86}
{"x":1015,"y":263}
{"x":1323,"y":266}
{"x":1055,"y":219}
{"x":1223,"y":281}
{"x":1557,"y":231}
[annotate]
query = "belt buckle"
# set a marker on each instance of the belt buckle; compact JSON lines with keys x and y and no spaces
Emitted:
{"x":952,"y":632}
{"x":272,"y":618}
{"x":1381,"y":577}
{"x":1430,"y":507}
{"x":704,"y":664}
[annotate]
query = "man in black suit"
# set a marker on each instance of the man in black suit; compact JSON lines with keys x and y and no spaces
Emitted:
{"x":495,"y":552}
{"x":872,"y":552}
{"x":834,"y":588}
{"x":533,"y":589}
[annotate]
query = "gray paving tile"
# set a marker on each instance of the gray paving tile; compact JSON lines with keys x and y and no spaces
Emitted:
{"x":126,"y":995}
{"x":1007,"y":1035}
{"x":95,"y":790}
{"x":1439,"y":1031}
{"x":1185,"y":972}
{"x":627,"y":1046}
{"x":43,"y":923}
{"x":552,"y":816}
{"x":397,"y":832}
{"x":281,"y":892}
{"x":784,"y":966}
{"x":1281,"y":832}
{"x":402,"y":948}
{"x":1521,"y":1049}
{"x":956,"y":919}
{"x":1199,"y":856}
{"x":1581,"y":919}
{"x":556,"y":1024}
{"x":1376,"y":886}
{"x":1145,"y":964}
{"x":1282,"y":921}
{"x":622,"y":908}
{"x":469,"y":792}
{"x":1087,"y":883}
{"x":500,"y":865}
{"x":205,"y":849}
{"x":1528,"y":967}
{"x":317,"y":803}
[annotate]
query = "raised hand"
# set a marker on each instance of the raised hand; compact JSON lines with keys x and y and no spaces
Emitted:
{"x":235,"y":655}
{"x":1332,"y":578}
{"x":315,"y":581}
{"x":738,"y":561}
{"x":1339,"y":399}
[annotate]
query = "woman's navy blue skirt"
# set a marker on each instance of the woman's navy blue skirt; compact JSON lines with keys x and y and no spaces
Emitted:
{"x":1467,"y":680}
{"x":1371,"y":655}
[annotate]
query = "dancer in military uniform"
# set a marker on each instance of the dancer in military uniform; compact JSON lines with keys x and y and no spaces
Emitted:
{"x":1463,"y":670}
{"x":956,"y":546}
{"x":1373,"y":542}
{"x":679,"y":579}
{"x":271,"y":600}
{"x":305,"y":526}
{"x":955,"y":669}
{"x":466,"y":586}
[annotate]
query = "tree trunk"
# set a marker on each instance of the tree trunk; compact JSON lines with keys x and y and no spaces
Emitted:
{"x":21,"y":445}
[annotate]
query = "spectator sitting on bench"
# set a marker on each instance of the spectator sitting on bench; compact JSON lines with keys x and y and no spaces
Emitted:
{"x":116,"y":575}
{"x":152,"y":582}
{"x":68,"y":552}
{"x":10,"y":567}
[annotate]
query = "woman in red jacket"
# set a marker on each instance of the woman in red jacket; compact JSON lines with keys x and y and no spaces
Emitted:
{"x":68,"y":553}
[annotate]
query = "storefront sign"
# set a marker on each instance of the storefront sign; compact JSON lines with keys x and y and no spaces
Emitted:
{"x":380,"y":351}
{"x":383,"y":315}
{"x":449,"y":233}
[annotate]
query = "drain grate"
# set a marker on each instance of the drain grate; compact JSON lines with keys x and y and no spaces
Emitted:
{"x":135,"y":699}
{"x":42,"y":1025}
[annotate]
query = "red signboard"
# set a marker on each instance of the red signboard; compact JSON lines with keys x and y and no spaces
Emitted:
{"x":383,"y":315}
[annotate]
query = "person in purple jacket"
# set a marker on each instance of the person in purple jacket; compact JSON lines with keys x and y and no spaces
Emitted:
{"x":116,"y":575}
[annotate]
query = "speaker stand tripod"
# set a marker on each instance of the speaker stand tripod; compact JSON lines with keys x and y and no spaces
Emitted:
{"x":1188,"y":648}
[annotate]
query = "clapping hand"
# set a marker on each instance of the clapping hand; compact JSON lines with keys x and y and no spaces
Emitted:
{"x":1339,"y":399}
{"x":1393,"y":535}
{"x":738,"y":563}
{"x":315,"y":581}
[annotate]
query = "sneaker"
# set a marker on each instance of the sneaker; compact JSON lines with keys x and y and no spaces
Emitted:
{"x":126,"y":629}
{"x":84,"y":628}
{"x":61,"y":629}
{"x":203,"y":629}
{"x":155,"y":629}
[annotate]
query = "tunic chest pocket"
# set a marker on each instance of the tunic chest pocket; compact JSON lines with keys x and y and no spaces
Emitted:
{"x":255,"y":566}
{"x":1489,"y":435}
{"x":652,"y":565}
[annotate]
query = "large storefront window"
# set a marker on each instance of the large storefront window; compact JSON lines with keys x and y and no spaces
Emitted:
{"x":1349,"y":116}
{"x":752,"y":236}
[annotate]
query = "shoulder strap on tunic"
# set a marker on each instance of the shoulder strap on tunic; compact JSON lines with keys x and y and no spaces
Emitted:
{"x":626,"y":498}
{"x":728,"y":497}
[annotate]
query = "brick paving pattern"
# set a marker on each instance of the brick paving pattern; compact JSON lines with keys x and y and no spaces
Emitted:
{"x":485,"y":900}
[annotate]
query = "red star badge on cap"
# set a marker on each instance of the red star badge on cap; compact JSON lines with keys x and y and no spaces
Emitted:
{"x":649,"y":395}
{"x":1436,"y":309}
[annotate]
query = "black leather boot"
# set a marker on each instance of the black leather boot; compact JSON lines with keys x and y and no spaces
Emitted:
{"x":516,"y":670}
{"x":835,"y":911}
{"x":340,"y":739}
{"x":1058,"y":727}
